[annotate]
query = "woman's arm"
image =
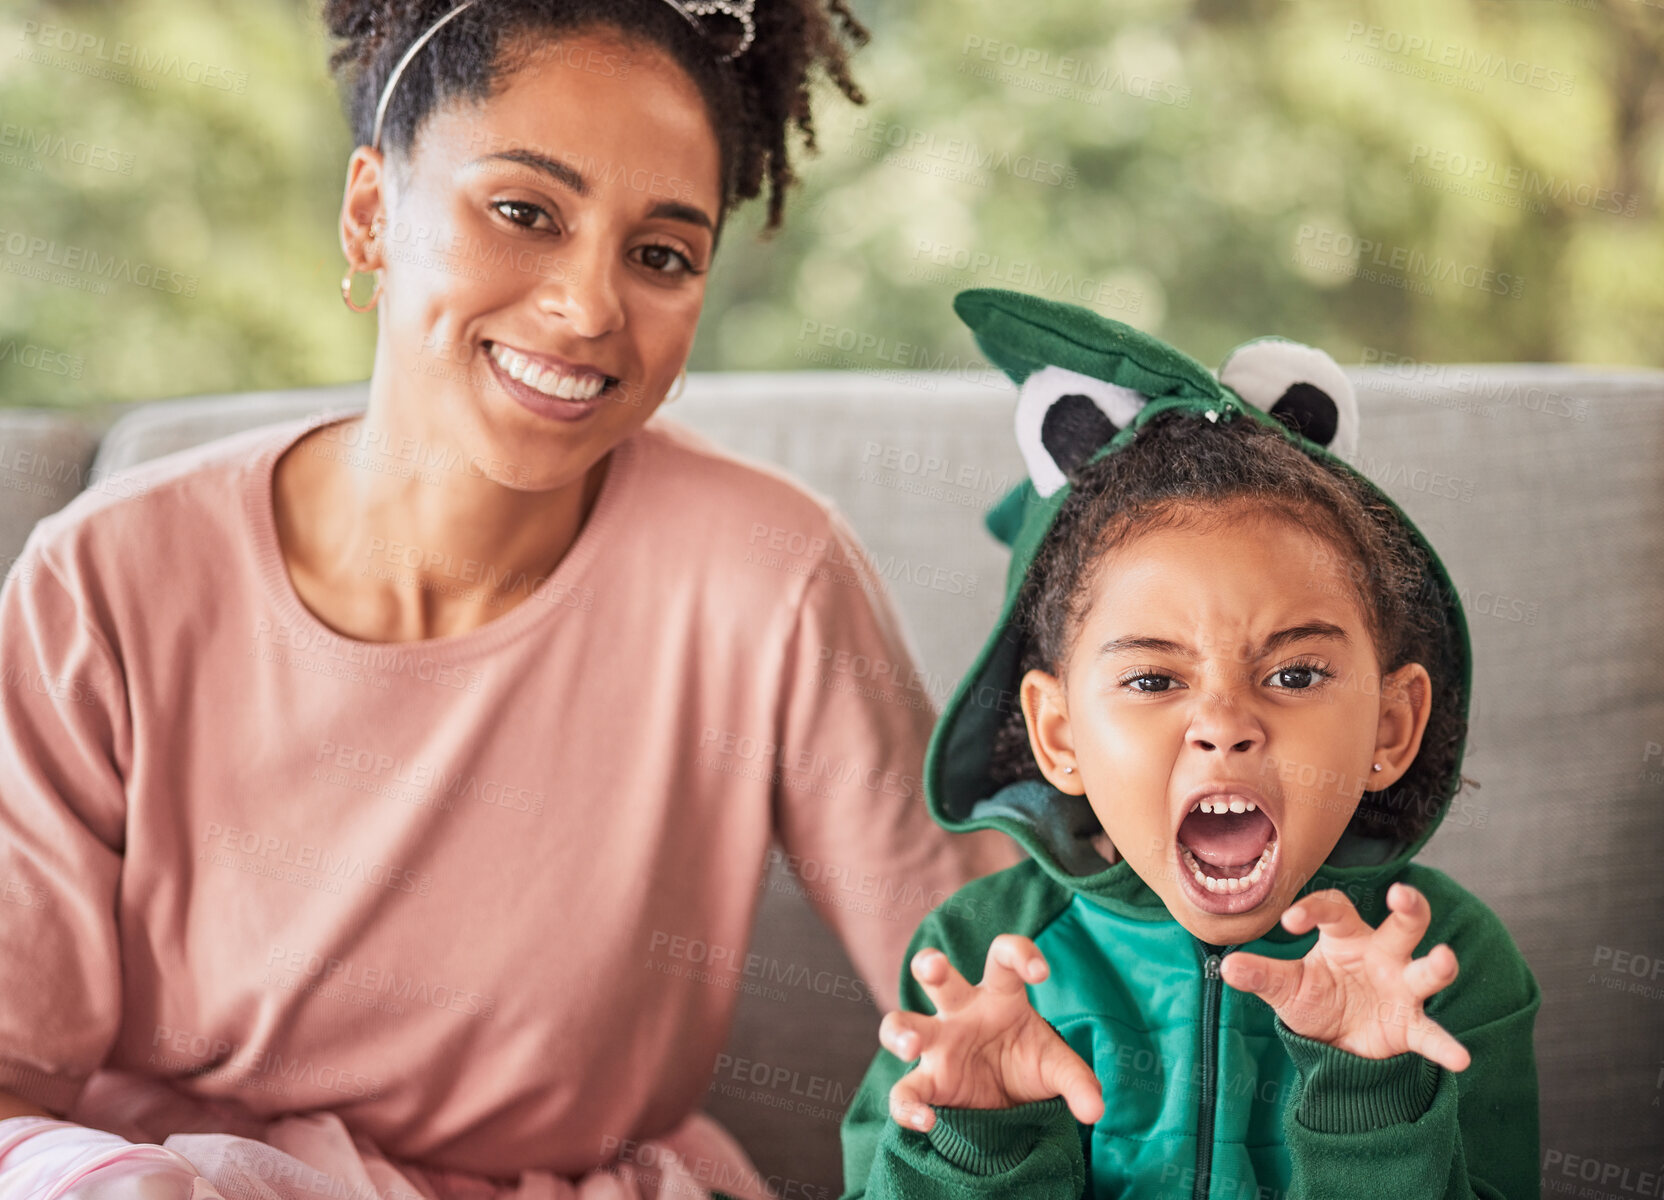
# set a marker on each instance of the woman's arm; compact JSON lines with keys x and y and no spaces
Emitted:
{"x":856,"y":718}
{"x":64,"y":735}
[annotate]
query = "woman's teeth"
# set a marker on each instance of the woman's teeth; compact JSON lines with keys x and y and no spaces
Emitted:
{"x":549,"y":381}
{"x":1242,"y":884}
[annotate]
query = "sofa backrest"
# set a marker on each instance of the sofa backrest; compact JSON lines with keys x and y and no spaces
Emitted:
{"x":1542,"y":489}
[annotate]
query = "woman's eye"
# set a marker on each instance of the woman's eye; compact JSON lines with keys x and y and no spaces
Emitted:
{"x":520,"y":206}
{"x":666,"y":260}
{"x":1299,"y":678}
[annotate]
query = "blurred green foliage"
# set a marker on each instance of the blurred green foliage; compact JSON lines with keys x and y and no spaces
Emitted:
{"x":1438,"y":180}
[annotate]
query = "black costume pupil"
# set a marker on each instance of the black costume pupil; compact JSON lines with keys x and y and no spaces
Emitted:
{"x":1072,"y":429}
{"x":1308,"y":411}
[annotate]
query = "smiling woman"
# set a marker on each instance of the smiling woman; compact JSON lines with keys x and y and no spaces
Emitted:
{"x":408,"y":839}
{"x":540,"y":278}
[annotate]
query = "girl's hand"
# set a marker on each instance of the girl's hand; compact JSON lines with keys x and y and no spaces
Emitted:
{"x":1357,"y":988}
{"x":986,"y":1047}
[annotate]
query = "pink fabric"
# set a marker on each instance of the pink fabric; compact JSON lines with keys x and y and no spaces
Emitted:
{"x":309,"y":1155}
{"x":480,"y":902}
{"x":42,"y":1159}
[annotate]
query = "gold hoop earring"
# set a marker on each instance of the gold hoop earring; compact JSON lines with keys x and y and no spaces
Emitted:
{"x":681,"y":386}
{"x":376,"y":227}
{"x":346,"y":290}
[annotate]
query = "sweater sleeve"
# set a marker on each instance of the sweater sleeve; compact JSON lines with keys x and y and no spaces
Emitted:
{"x":849,"y":800}
{"x":1030,"y":1152}
{"x":1406,"y":1127}
{"x":63,"y":733}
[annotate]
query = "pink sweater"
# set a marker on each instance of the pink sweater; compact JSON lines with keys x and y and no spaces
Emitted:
{"x":487,"y":897}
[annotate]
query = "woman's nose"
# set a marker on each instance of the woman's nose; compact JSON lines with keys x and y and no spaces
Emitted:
{"x":581,"y":290}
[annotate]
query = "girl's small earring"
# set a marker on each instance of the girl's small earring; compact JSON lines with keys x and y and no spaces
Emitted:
{"x":1068,"y":770}
{"x":681,"y":386}
{"x":1375,"y":767}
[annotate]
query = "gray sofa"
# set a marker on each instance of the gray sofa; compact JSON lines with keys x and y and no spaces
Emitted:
{"x":1541,"y":486}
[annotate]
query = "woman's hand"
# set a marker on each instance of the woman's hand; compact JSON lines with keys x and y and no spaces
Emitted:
{"x":985,"y":1047}
{"x":1358,"y":988}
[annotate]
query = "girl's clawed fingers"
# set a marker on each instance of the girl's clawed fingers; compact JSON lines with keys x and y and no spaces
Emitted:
{"x":941,"y":981}
{"x":1274,"y":980}
{"x":908,"y":1104}
{"x":1064,"y":1073}
{"x":1406,"y":922}
{"x":1329,"y":911}
{"x":1013,"y":961}
{"x":1432,"y":972}
{"x":1431,"y":1040}
{"x":907,"y":1034}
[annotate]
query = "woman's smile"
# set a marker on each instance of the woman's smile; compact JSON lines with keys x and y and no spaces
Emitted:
{"x":550,"y":375}
{"x":548,"y":386}
{"x":533,"y":399}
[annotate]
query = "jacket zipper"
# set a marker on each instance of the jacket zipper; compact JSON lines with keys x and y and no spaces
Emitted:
{"x":1212,"y":985}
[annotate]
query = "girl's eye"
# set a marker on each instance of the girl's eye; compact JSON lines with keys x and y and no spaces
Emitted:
{"x":1300,"y":677}
{"x":663,"y":259}
{"x":1152,"y":677}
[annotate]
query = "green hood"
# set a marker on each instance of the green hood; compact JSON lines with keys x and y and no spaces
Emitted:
{"x":1086,"y":385}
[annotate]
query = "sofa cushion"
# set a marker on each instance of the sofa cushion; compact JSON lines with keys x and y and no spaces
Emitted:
{"x":45,"y":459}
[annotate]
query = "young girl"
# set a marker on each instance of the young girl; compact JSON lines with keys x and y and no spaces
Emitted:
{"x":1223,"y":708}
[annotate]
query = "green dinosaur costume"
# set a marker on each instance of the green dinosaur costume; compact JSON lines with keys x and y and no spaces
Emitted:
{"x":1208,"y":1094}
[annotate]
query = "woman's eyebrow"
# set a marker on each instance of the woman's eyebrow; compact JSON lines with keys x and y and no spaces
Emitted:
{"x":574,"y":182}
{"x":682,"y":212}
{"x":1294,"y":633}
{"x":571,"y":179}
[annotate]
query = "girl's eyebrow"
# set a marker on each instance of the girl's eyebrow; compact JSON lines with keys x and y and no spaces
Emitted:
{"x":1294,"y":633}
{"x":574,"y":182}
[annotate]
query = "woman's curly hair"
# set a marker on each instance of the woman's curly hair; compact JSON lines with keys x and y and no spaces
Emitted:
{"x":1178,"y":471}
{"x":753,"y":100}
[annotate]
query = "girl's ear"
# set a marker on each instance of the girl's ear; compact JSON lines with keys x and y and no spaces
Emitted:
{"x":1063,"y":417}
{"x":1300,"y":386}
{"x":1406,"y":706}
{"x":1046,"y":712}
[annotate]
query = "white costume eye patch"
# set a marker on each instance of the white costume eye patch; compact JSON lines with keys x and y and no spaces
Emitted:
{"x":1299,"y":385}
{"x":1063,"y":417}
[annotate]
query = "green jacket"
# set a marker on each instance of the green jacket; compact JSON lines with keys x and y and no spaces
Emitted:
{"x":1207,"y":1093}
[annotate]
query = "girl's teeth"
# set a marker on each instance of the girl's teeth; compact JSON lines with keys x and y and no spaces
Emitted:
{"x":1234,"y":804}
{"x":1241,"y":884}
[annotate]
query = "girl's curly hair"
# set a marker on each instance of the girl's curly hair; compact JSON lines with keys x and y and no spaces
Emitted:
{"x":1178,"y":471}
{"x":753,"y":100}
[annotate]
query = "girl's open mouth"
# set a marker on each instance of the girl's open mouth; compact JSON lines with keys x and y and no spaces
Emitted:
{"x":1225,"y":854}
